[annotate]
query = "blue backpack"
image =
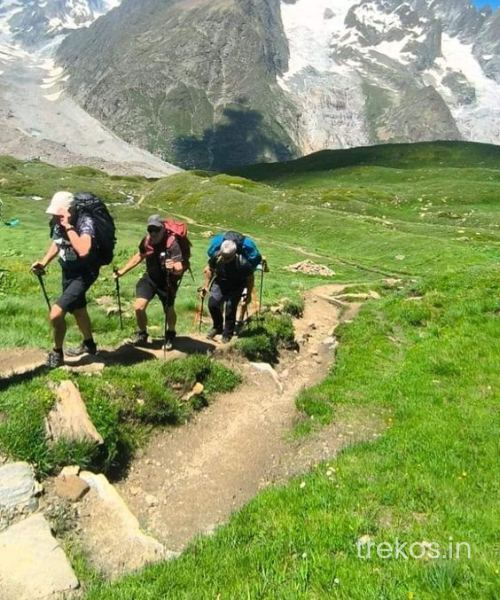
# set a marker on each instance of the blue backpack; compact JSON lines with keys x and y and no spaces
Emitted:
{"x":245,"y":245}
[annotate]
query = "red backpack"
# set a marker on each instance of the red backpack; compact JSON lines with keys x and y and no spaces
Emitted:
{"x":176,"y":232}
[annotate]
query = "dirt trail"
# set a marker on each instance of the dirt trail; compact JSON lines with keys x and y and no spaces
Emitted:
{"x":191,"y":479}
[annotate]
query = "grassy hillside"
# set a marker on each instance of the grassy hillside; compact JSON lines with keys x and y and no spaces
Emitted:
{"x":427,"y":353}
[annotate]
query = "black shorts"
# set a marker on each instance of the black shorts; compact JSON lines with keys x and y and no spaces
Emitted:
{"x":147,"y":289}
{"x":75,"y":286}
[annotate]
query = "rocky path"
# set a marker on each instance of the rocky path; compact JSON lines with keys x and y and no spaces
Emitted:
{"x":191,"y":479}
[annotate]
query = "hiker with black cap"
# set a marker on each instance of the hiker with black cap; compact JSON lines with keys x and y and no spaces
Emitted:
{"x":75,"y":247}
{"x":165,"y":249}
{"x":227,"y":274}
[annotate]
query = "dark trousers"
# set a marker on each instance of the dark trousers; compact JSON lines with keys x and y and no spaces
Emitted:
{"x":219,"y":297}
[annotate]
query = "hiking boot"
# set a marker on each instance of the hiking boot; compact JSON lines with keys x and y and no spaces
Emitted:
{"x":226,"y":338}
{"x":140,"y":338}
{"x":169,"y":340}
{"x":84,"y":348}
{"x":238,"y":328}
{"x":212,"y":333}
{"x":55,"y":359}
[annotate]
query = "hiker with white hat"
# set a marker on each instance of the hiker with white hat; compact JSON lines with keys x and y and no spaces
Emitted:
{"x":227,"y":274}
{"x":73,"y":244}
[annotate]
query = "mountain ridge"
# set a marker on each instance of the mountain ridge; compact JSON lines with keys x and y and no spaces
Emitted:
{"x":216,"y":85}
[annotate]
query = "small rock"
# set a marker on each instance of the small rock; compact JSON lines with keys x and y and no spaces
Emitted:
{"x":308,"y":267}
{"x":71,"y":488}
{"x":267,"y":369}
{"x":135,"y":491}
{"x":67,"y":471}
{"x":197,"y":390}
{"x":207,"y":234}
{"x":400,"y":257}
{"x":329,"y":341}
{"x":151,"y":501}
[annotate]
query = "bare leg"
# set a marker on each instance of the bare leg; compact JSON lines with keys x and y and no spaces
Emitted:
{"x":171,"y":318}
{"x":83,"y":321}
{"x":140,"y":306}
{"x":58,"y":322}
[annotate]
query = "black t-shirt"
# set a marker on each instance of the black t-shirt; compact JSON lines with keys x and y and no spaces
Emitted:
{"x":155,"y":260}
{"x":232,"y":275}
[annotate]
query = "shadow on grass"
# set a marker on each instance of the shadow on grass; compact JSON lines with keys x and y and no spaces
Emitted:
{"x":17,"y":378}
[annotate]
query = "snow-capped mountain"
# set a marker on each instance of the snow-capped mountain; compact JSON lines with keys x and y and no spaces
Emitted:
{"x":383,"y":70}
{"x":37,"y":118}
{"x":219,"y":83}
{"x":33,"y":22}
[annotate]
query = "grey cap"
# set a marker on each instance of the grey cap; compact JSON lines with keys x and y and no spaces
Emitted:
{"x":155,"y":221}
{"x":228,"y":249}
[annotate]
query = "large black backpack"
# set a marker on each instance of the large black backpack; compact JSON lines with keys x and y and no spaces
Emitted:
{"x":88,"y":204}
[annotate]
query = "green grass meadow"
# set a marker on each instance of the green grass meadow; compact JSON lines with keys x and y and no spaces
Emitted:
{"x":426,"y":355}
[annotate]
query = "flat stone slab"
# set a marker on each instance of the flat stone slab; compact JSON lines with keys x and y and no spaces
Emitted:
{"x":17,"y":361}
{"x":111,"y":534}
{"x":18,"y":487}
{"x":33,"y":566}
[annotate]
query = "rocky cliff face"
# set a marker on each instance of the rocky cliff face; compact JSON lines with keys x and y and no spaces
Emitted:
{"x":193,"y":80}
{"x":420,"y":70}
{"x":216,"y":84}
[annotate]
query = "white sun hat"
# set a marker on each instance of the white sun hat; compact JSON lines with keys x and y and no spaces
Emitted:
{"x":60,"y":200}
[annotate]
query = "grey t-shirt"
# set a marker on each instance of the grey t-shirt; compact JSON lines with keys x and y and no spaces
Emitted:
{"x":68,"y":258}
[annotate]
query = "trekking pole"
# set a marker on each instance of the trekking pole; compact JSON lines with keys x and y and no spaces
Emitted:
{"x":42,"y":285}
{"x":263,"y":267}
{"x":164,"y":258}
{"x":202,"y":304}
{"x":118,"y":296}
{"x":202,"y":301}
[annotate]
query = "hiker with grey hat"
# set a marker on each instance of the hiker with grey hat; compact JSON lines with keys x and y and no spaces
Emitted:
{"x":165,"y":250}
{"x":75,"y":246}
{"x":227,"y":274}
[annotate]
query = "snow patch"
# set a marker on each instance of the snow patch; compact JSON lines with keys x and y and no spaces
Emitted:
{"x":329,"y":94}
{"x":479,"y":121}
